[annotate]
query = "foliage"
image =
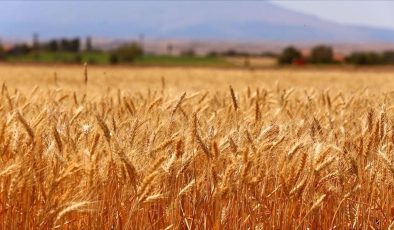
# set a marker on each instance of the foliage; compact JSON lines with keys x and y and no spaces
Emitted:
{"x":364,"y":58}
{"x":289,"y":55}
{"x":52,"y":45}
{"x":64,"y":45}
{"x":127,"y":53}
{"x":388,"y":57}
{"x":19,"y":49}
{"x":321,"y":55}
{"x":2,"y":52}
{"x":72,"y":45}
{"x":113,"y":59}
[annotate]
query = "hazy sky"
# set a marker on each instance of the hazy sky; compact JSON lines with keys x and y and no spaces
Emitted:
{"x":194,"y":18}
{"x":376,"y":13}
{"x":361,"y":12}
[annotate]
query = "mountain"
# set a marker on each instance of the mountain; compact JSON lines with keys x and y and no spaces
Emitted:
{"x":219,"y":20}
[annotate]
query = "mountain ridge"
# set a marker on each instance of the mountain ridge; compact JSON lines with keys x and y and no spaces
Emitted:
{"x":245,"y":21}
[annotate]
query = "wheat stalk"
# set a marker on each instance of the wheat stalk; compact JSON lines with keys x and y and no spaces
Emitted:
{"x":233,"y":97}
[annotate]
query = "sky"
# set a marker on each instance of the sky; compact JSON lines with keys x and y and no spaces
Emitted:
{"x":161,"y":18}
{"x":377,"y":13}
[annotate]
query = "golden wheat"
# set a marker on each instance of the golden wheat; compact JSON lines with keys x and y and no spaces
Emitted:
{"x":132,"y":151}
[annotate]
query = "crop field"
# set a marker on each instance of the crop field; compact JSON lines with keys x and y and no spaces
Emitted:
{"x":196,"y":148}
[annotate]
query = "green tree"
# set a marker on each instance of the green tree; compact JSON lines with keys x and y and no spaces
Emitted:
{"x":388,"y":57}
{"x":53,"y":45}
{"x":2,"y":53}
{"x":71,"y":45}
{"x":75,"y":45}
{"x":113,"y":59}
{"x":364,"y":58}
{"x":289,"y":55}
{"x":21,"y":49}
{"x":127,"y":53}
{"x":322,"y":55}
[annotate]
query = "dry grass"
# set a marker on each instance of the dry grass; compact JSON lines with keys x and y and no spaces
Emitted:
{"x":182,"y":149}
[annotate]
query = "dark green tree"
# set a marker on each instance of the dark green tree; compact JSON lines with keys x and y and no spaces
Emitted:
{"x":388,"y":57}
{"x":2,"y":53}
{"x":113,"y":59}
{"x":21,"y":49}
{"x":289,"y":55}
{"x":321,"y":55}
{"x":75,"y":45}
{"x":127,"y":53}
{"x":53,"y":45}
{"x":71,"y":45}
{"x":364,"y":58}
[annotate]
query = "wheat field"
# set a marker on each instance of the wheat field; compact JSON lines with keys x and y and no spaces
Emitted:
{"x":187,"y":148}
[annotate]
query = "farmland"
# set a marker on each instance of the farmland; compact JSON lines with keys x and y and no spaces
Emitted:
{"x":105,"y":58}
{"x":195,"y":148}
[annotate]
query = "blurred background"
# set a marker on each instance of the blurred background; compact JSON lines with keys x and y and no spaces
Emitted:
{"x":245,"y":34}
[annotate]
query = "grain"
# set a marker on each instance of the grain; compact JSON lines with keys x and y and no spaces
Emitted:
{"x":134,"y":152}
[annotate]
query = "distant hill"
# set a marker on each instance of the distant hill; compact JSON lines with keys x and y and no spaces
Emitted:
{"x":227,"y":20}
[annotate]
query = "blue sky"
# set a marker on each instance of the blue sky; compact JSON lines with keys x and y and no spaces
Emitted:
{"x":188,"y":18}
{"x":375,"y":13}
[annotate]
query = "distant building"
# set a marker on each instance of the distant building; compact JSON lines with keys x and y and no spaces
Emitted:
{"x":299,"y":62}
{"x":7,"y":47}
{"x":338,"y":57}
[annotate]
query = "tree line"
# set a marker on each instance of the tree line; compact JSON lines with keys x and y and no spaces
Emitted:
{"x":54,"y":45}
{"x":124,"y":54}
{"x":323,"y":54}
{"x":128,"y":53}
